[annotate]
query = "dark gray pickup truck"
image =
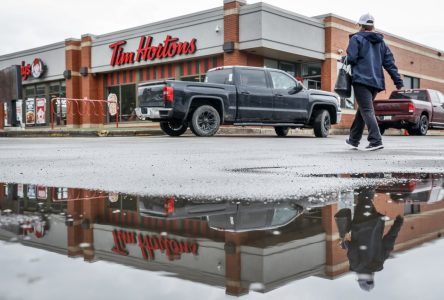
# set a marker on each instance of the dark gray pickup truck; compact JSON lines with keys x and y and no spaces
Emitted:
{"x":242,"y":96}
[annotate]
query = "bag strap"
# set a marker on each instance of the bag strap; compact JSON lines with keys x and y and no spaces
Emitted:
{"x":344,"y":64}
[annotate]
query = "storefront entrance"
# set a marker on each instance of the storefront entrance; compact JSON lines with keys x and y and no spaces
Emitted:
{"x":127,"y":100}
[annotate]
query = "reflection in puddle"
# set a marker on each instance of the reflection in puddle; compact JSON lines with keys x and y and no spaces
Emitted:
{"x":239,"y":245}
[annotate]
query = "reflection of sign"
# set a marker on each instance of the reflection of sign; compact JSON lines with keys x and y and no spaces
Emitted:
{"x":20,"y":190}
{"x":30,"y":111}
{"x":113,"y":197}
{"x":148,"y":244}
{"x":41,"y":192}
{"x":146,"y":51}
{"x":40,"y":105}
{"x":112,"y":104}
{"x":31,"y":191}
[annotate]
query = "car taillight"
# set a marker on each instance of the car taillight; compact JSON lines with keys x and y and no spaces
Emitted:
{"x":168,"y":94}
{"x":169,"y":205}
{"x":411,"y":107}
{"x":411,"y":185}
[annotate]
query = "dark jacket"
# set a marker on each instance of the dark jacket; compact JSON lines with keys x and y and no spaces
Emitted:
{"x":369,"y":248}
{"x":367,"y":53}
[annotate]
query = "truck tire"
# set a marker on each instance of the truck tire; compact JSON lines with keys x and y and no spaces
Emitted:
{"x":174,"y":128}
{"x":382,"y":129}
{"x":421,"y":127}
{"x":322,"y":123}
{"x":205,"y":121}
{"x":281,"y":130}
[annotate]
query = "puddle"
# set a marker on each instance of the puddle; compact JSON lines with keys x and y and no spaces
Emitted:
{"x":237,"y":246}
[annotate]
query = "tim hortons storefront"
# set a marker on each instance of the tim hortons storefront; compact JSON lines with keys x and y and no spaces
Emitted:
{"x":184,"y":48}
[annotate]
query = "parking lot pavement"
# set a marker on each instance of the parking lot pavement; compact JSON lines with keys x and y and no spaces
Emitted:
{"x":223,"y":166}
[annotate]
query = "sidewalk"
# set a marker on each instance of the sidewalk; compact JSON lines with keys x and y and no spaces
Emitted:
{"x":146,"y":128}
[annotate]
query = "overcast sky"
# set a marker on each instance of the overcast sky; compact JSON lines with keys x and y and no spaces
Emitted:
{"x":26,"y":24}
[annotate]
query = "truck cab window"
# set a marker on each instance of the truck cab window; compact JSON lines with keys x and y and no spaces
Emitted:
{"x":441,"y":97}
{"x":282,"y":81}
{"x":252,"y":78}
{"x":434,"y":97}
{"x":222,"y":76}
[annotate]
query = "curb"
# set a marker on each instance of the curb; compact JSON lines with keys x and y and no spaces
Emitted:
{"x":128,"y":132}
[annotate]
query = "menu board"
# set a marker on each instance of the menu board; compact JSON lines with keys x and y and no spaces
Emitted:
{"x":40,"y":105}
{"x":19,"y":111}
{"x":6,"y":114}
{"x":30,"y":111}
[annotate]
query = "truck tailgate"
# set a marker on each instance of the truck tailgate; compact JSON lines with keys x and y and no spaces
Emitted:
{"x":151,"y":95}
{"x":392,"y":107}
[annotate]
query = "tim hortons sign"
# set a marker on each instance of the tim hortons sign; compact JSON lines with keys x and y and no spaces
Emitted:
{"x":170,"y":47}
{"x":150,"y":244}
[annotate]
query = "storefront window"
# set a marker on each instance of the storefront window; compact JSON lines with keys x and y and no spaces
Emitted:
{"x":127,"y":100}
{"x":30,"y":91}
{"x":308,"y":73}
{"x":195,"y":78}
{"x":58,"y":90}
{"x":311,"y":72}
{"x":411,"y":82}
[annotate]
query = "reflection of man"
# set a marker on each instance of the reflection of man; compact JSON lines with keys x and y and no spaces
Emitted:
{"x":368,"y":247}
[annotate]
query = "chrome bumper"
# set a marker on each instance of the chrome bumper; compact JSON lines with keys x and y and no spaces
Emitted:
{"x":153,"y":113}
{"x":338,"y":117}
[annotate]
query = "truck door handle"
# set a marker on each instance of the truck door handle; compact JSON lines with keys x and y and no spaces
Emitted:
{"x":245,"y":93}
{"x":279,"y":95}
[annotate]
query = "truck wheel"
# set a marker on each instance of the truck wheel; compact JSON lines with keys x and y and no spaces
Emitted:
{"x":174,"y":128}
{"x":382,"y":129}
{"x":421,"y":127}
{"x":322,"y":123}
{"x":281,"y":130}
{"x":205,"y":121}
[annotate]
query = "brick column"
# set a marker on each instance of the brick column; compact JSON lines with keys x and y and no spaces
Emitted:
{"x":329,"y":66}
{"x":328,"y":74}
{"x":72,"y":55}
{"x":92,"y":87}
{"x":232,"y":54}
{"x":233,"y":271}
{"x":336,"y":257}
{"x":2,"y":192}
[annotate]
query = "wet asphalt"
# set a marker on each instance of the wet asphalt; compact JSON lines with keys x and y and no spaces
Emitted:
{"x":241,"y":167}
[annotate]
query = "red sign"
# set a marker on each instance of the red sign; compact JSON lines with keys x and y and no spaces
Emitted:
{"x":149,"y":244}
{"x":25,"y":70}
{"x":36,"y":69}
{"x":146,"y":51}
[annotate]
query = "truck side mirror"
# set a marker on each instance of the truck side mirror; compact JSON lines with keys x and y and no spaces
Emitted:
{"x":296,"y":89}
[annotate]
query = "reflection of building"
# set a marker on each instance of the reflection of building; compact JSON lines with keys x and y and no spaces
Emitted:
{"x":236,"y":33}
{"x":100,"y":226}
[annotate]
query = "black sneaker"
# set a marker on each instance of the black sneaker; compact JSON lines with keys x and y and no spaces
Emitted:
{"x":351,"y":145}
{"x":374,"y":147}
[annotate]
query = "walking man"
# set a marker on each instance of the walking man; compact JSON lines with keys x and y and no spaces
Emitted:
{"x":368,"y":54}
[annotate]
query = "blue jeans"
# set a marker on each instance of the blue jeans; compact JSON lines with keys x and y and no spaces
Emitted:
{"x":365,"y":115}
